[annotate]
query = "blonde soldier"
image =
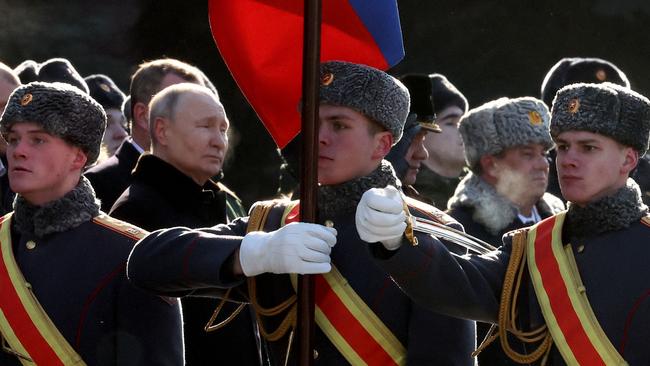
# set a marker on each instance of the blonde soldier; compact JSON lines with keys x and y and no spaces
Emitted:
{"x":65,"y":297}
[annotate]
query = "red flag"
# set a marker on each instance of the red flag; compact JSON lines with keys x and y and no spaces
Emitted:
{"x":261,"y":43}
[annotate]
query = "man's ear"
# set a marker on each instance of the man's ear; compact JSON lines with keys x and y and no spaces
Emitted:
{"x":159,"y":129}
{"x":631,"y":159}
{"x":384,"y":141}
{"x":141,"y":115}
{"x":80,"y":159}
{"x":488,"y":167}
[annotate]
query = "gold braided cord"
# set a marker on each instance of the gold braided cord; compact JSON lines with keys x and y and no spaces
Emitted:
{"x":210,"y":326}
{"x":257,"y":218}
{"x":508,"y":312}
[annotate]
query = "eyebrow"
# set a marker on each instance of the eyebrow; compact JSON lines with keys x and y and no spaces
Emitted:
{"x":580,"y":141}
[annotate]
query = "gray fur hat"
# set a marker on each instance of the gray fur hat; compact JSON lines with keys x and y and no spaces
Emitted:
{"x":607,"y":109}
{"x":370,"y":91}
{"x":63,"y":110}
{"x":504,"y":123}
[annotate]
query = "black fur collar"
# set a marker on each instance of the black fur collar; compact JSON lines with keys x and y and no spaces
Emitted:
{"x":343,"y":198}
{"x":610,"y":213}
{"x":74,"y":208}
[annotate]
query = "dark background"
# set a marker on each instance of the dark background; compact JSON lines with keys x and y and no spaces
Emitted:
{"x":488,"y":49}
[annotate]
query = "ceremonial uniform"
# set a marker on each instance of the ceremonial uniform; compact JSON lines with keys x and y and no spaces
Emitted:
{"x":111,"y":177}
{"x":573,"y":288}
{"x":74,"y":259}
{"x":161,"y":196}
{"x":610,"y":247}
{"x":180,"y":262}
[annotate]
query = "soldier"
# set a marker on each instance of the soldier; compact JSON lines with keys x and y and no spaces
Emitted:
{"x":65,"y":296}
{"x":574,"y":287}
{"x":435,"y":99}
{"x":506,"y":147}
{"x":362,"y":113}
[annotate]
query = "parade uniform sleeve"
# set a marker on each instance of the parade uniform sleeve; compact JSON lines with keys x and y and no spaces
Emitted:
{"x":466,"y":286}
{"x":150,"y":337}
{"x":180,"y":261}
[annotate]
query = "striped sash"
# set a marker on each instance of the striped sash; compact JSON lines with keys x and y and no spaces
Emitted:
{"x":347,"y":321}
{"x":24,"y":324}
{"x":561,"y":295}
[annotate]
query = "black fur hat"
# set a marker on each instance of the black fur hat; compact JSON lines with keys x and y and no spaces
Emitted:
{"x":104,"y":91}
{"x":61,"y":70}
{"x":27,"y":71}
{"x":573,"y":70}
{"x":62,"y":110}
{"x":607,"y":109}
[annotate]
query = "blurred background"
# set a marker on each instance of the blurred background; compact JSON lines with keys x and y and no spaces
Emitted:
{"x":488,"y":49}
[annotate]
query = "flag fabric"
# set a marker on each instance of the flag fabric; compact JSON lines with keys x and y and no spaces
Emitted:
{"x":261,"y":42}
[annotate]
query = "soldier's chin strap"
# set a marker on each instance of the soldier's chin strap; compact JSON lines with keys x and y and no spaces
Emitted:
{"x":508,"y":311}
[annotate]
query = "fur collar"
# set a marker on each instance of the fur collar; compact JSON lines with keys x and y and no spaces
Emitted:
{"x":609,"y":213}
{"x":74,"y":208}
{"x":343,"y":198}
{"x":492,"y":210}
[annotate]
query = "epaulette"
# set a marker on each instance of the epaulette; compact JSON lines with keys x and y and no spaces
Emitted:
{"x":227,"y":190}
{"x":120,"y":226}
{"x":430,"y":211}
{"x":646,"y":220}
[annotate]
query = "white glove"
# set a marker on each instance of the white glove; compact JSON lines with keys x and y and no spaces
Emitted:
{"x":295,"y":248}
{"x":380,"y":217}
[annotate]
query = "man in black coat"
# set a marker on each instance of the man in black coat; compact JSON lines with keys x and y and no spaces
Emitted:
{"x":111,"y":177}
{"x":65,"y":296}
{"x":362,"y":316}
{"x":172,"y":187}
{"x":574,"y":287}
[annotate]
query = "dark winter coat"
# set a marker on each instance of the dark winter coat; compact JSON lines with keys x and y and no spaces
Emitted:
{"x":111,"y":177}
{"x":160,"y":196}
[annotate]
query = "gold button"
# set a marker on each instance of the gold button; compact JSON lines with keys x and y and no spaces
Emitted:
{"x":582,"y":289}
{"x":581,"y":248}
{"x":329,"y":223}
{"x":30,"y":244}
{"x":315,"y":354}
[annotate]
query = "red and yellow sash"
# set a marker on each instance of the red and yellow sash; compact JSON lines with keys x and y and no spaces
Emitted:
{"x":354,"y":329}
{"x":25,"y":326}
{"x":561,"y":295}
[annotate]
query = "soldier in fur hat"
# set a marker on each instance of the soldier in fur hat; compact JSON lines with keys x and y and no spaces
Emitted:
{"x":65,"y":295}
{"x":574,"y":287}
{"x":362,"y":114}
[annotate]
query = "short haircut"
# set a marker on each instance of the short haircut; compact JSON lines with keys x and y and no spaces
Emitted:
{"x":165,"y":103}
{"x":8,"y":74}
{"x":145,"y":82}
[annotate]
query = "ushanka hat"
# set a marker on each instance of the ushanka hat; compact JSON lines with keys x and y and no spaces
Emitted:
{"x":607,"y":109}
{"x":504,"y":123}
{"x":571,"y":70}
{"x":369,"y":91}
{"x":104,"y":91}
{"x":62,"y":110}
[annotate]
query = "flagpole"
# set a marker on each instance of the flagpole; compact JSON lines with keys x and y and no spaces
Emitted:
{"x":309,"y":169}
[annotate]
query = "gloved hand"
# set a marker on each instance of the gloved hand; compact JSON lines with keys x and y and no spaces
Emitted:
{"x":380,"y":217}
{"x":299,"y":247}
